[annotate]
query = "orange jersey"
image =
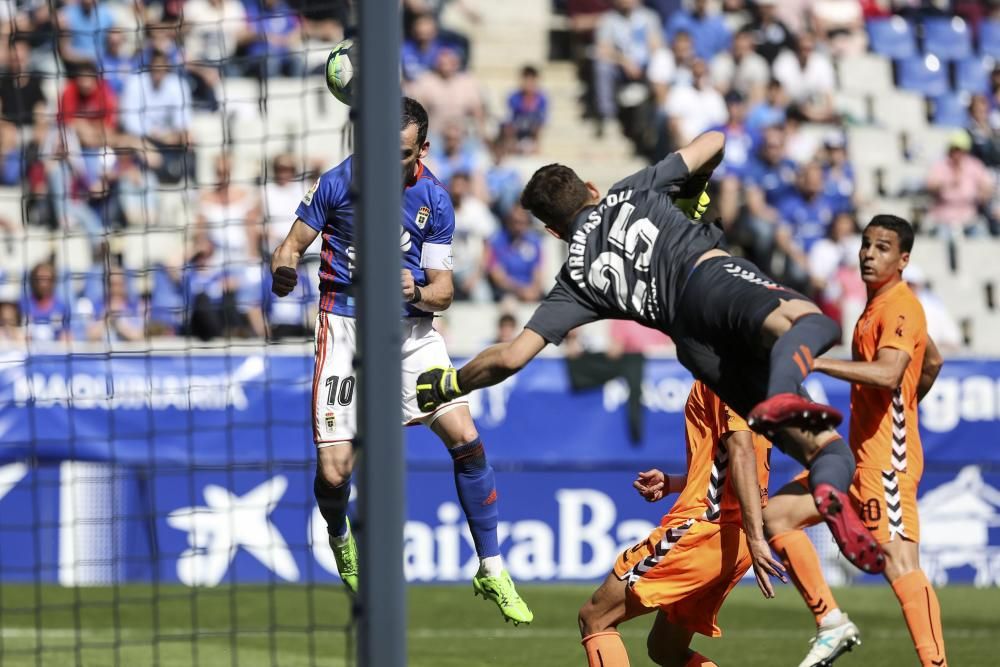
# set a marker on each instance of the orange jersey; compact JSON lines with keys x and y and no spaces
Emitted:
{"x":709,"y":494}
{"x":883,"y":421}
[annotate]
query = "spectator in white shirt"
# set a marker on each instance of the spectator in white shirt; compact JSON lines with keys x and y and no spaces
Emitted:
{"x":282,"y":194}
{"x":156,"y":107}
{"x":213,"y":31}
{"x":625,"y":40}
{"x":808,"y":77}
{"x":694,"y":108}
{"x":474,"y":224}
{"x":671,"y":67}
{"x":741,"y":69}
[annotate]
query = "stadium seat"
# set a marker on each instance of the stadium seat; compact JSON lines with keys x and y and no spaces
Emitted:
{"x":973,"y":254}
{"x":950,"y":109}
{"x":239,"y":96}
{"x":900,"y":179}
{"x":854,"y":106}
{"x":11,"y":208}
{"x":872,"y":146}
{"x":900,"y":110}
{"x":989,"y":38}
{"x":923,"y":74}
{"x":141,"y":251}
{"x":866,"y":73}
{"x":933,"y":255}
{"x":925,"y":146}
{"x":948,"y":38}
{"x":972,"y":75}
{"x":985,"y":326}
{"x":208,"y":130}
{"x":892,"y":206}
{"x":865,"y":181}
{"x":893,"y":37}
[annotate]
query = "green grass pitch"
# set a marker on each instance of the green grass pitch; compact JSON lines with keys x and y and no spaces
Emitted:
{"x":448,"y":627}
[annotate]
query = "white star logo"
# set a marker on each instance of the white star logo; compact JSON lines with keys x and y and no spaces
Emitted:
{"x":229,"y":522}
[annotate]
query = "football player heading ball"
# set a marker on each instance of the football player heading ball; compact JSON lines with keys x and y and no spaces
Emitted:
{"x":428,"y":223}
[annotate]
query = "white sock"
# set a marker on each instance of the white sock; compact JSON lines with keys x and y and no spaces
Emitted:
{"x":341,"y":540}
{"x":491,"y":566}
{"x":831,"y":618}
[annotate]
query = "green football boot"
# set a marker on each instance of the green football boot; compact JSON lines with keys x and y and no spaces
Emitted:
{"x":501,"y":590}
{"x":346,"y":555}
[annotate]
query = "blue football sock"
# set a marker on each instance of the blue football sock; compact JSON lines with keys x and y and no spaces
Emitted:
{"x":332,"y":501}
{"x":476,"y":484}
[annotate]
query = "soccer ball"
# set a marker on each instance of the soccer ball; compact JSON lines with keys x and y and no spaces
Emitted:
{"x":341,"y":66}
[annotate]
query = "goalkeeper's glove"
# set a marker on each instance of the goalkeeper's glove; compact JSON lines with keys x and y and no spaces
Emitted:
{"x":284,"y":280}
{"x":694,"y":207}
{"x":437,"y":386}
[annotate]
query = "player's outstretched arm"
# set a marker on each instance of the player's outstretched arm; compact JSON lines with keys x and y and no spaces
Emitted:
{"x":933,"y":361}
{"x":285,"y":259}
{"x":743,"y":468}
{"x":437,"y":386}
{"x":704,"y":154}
{"x":885,"y":372}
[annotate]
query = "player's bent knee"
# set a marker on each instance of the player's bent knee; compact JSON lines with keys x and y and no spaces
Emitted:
{"x":901,"y":558}
{"x":335,"y":471}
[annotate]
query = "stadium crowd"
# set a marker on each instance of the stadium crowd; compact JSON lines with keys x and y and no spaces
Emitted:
{"x":94,"y":157}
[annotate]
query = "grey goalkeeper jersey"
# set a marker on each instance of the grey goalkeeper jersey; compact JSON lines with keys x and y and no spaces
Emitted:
{"x":629,"y":256}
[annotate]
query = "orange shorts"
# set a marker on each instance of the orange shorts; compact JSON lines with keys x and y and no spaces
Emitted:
{"x":686,"y":568}
{"x":886,"y":501}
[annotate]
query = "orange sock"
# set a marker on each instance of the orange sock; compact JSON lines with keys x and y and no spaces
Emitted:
{"x":799,"y":555}
{"x":605,"y":649}
{"x":698,"y":660}
{"x":923,"y":616}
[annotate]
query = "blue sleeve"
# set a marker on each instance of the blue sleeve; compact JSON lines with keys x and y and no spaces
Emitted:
{"x":443,"y":224}
{"x":539,"y":248}
{"x":326,"y":193}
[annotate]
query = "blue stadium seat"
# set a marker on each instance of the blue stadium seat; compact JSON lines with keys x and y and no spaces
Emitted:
{"x":923,"y":74}
{"x":947,"y":38}
{"x":989,"y":38}
{"x":972,"y":75}
{"x":892,"y":37}
{"x":951,"y":109}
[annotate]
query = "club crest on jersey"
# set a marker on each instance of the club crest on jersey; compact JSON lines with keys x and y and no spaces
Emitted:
{"x":308,"y":198}
{"x":423,"y":215}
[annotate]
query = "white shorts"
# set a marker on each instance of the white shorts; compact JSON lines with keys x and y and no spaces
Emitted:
{"x":334,"y":407}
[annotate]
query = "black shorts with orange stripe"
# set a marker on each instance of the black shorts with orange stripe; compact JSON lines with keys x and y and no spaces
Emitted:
{"x":718,"y":326}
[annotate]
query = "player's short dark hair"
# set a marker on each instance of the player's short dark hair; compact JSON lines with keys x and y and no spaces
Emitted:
{"x":414,"y":114}
{"x":553,"y":195}
{"x":894,"y":223}
{"x":529,"y":70}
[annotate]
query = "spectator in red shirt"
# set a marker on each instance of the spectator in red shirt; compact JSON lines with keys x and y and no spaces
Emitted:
{"x":89,"y":106}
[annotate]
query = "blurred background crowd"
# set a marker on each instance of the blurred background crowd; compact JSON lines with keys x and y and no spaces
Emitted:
{"x":152,"y":154}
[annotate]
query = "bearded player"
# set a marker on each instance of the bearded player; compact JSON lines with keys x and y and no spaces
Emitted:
{"x":428,"y":223}
{"x":701,"y":549}
{"x":894,"y":364}
{"x":635,"y":254}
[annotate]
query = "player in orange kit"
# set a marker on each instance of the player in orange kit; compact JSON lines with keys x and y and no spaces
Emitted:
{"x":894,"y":365}
{"x":701,"y":549}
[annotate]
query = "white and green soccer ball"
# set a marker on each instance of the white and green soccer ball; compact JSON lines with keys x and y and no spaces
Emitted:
{"x":341,"y":67}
